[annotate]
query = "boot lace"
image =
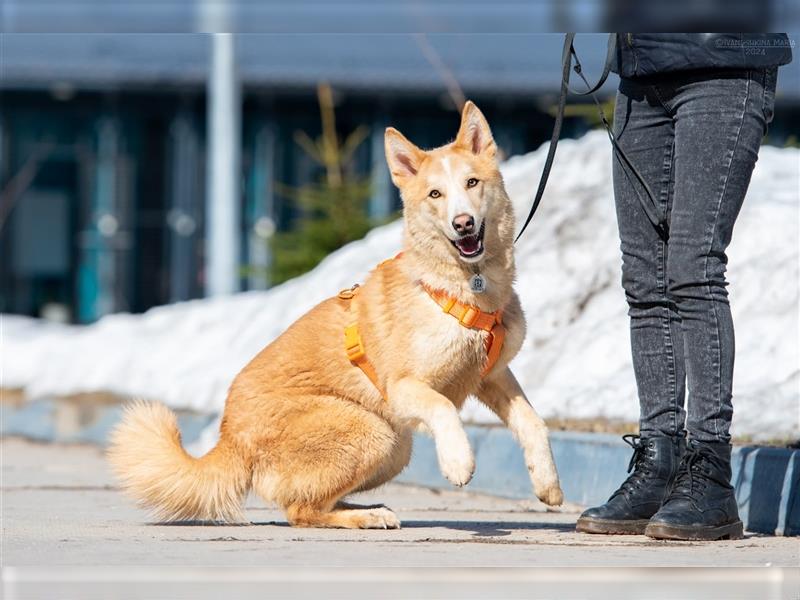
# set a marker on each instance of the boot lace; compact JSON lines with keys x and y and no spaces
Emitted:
{"x":638,"y":467}
{"x":696,"y":470}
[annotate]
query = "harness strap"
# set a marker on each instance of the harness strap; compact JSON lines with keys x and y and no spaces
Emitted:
{"x":354,"y":345}
{"x":473,"y":317}
{"x":467,"y":315}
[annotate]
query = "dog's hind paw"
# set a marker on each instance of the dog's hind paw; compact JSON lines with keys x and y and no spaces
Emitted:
{"x":378,"y":518}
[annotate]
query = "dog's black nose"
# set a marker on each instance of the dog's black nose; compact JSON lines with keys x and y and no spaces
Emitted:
{"x":464,"y":224}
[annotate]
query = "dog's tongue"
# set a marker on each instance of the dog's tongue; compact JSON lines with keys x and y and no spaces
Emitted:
{"x":468,"y":244}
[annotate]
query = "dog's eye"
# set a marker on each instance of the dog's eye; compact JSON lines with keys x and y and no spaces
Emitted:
{"x":472,"y":182}
{"x":435,"y":194}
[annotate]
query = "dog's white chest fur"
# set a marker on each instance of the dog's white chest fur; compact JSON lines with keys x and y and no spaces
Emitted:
{"x":448,"y":352}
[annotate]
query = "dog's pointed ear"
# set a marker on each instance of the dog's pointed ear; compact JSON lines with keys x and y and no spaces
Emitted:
{"x":403,"y":157}
{"x":474,"y":133}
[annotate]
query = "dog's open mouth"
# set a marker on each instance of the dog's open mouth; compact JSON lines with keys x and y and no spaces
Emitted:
{"x":470,"y":246}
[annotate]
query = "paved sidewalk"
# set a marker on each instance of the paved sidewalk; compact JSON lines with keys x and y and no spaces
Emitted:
{"x":60,"y":508}
{"x":68,"y":533}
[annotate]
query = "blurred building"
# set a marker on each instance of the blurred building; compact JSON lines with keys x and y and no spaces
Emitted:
{"x":103,"y":145}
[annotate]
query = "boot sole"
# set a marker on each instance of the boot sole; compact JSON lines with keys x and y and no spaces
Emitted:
{"x":660,"y":531}
{"x":611,"y":527}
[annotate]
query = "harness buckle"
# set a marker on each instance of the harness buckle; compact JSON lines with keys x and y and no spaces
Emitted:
{"x":353,"y":345}
{"x":470,"y":316}
{"x":448,"y":304}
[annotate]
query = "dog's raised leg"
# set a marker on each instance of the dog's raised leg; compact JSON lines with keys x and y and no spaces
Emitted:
{"x":504,"y":396}
{"x":412,"y":399}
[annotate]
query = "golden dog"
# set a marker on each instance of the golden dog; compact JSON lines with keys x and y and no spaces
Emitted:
{"x":305,"y":423}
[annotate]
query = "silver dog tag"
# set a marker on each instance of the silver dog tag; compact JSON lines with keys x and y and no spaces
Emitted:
{"x":477,"y":283}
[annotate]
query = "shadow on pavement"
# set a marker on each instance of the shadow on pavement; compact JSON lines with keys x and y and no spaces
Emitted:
{"x":477,"y":528}
{"x":489,"y":528}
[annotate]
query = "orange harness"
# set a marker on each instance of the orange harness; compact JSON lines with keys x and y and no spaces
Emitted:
{"x":469,"y":316}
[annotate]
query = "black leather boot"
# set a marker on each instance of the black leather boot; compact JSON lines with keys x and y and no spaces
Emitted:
{"x":701,"y":504}
{"x":652,"y":469}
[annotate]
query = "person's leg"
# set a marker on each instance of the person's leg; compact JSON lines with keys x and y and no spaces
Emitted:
{"x":644,"y":129}
{"x":719,"y":123}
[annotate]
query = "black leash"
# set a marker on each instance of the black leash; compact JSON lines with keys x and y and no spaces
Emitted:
{"x":650,"y":208}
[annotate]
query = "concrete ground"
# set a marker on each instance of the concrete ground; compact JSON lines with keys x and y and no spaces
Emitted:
{"x":62,"y":515}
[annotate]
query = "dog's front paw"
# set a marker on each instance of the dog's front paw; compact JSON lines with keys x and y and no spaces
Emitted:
{"x":546,"y":485}
{"x":453,"y":450}
{"x":550,"y":495}
{"x":544,"y":475}
{"x":457,"y":468}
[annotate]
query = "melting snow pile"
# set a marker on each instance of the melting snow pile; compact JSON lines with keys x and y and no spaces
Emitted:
{"x":575,"y":362}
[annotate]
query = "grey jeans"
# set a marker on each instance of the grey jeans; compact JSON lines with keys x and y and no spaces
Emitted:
{"x":694,"y":137}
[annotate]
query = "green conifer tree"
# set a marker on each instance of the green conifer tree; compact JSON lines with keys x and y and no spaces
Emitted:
{"x":334,"y":208}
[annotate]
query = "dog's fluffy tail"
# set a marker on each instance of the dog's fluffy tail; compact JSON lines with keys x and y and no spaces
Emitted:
{"x":145,"y":453}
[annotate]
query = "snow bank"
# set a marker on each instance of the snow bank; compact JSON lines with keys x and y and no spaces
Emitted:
{"x":575,"y":362}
